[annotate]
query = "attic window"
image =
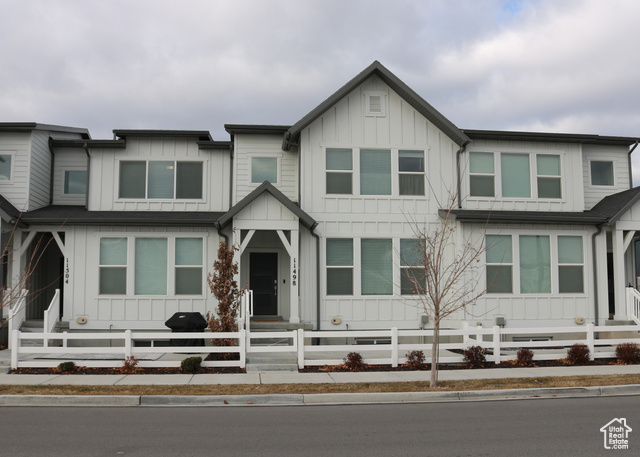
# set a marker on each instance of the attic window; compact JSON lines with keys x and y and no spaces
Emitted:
{"x":376,"y":104}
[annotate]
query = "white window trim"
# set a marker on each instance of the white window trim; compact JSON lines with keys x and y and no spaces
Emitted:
{"x":12,"y":171}
{"x":533,"y":172}
{"x":383,"y":103}
{"x":553,"y":245}
{"x":600,"y":186}
{"x":205,"y":180}
{"x":62,"y":179}
{"x":264,"y":155}
{"x":395,"y":170}
{"x":171,"y":263}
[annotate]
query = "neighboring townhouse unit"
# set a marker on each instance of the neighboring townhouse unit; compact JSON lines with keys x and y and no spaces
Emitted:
{"x":323,"y":213}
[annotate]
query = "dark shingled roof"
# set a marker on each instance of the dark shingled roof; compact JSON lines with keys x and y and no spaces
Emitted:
{"x":606,"y":211}
{"x":7,"y":207}
{"x":78,"y":215}
{"x":266,"y":186}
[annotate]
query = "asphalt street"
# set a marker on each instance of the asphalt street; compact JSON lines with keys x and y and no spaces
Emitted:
{"x":533,"y":427}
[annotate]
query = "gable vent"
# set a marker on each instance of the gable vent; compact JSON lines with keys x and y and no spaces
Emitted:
{"x":375,"y":103}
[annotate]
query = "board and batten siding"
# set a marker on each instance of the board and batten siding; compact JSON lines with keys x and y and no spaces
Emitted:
{"x":571,"y":173}
{"x":346,"y":125}
{"x":619,"y":155}
{"x":68,"y":159}
{"x":249,"y":146}
{"x":82,"y":298}
{"x":18,"y":145}
{"x":104,"y":175}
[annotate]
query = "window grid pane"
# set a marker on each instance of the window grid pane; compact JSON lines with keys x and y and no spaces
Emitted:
{"x":188,"y":281}
{"x":339,"y":159}
{"x":189,"y":180}
{"x":160,"y":179}
{"x":601,"y":173}
{"x":535,"y":264}
{"x":375,"y":172}
{"x":133,"y":179}
{"x":377,"y":266}
{"x":151,"y":266}
{"x":188,"y":251}
{"x":5,"y":167}
{"x":264,"y":169}
{"x":75,"y":182}
{"x":516,"y":175}
{"x":113,"y":251}
{"x":339,"y":183}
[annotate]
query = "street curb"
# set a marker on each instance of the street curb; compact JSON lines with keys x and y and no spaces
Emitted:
{"x":220,"y":400}
{"x":69,"y":400}
{"x":313,"y":399}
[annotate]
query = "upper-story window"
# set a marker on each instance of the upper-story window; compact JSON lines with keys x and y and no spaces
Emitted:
{"x":411,"y":172}
{"x":375,"y":172}
{"x":339,"y":165}
{"x":601,"y":173}
{"x":264,"y":169}
{"x":75,"y":182}
{"x":518,"y":175}
{"x":160,"y":179}
{"x":5,"y":167}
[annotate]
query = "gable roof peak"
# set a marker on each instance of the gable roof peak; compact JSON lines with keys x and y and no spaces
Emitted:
{"x":376,"y":68}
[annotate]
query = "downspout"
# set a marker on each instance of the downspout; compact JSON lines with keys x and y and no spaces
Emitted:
{"x":86,"y":151}
{"x":222,"y":235}
{"x":51,"y":174}
{"x":317,"y":237}
{"x":595,"y":273}
{"x":458,"y":174}
{"x":630,"y":169}
{"x":231,"y":150}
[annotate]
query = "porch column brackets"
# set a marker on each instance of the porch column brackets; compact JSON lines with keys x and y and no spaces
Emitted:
{"x":19,"y":250}
{"x":285,"y":243}
{"x":246,"y":241}
{"x":628,"y":238}
{"x":59,"y":242}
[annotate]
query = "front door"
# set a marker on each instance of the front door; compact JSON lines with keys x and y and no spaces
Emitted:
{"x":263,"y":280}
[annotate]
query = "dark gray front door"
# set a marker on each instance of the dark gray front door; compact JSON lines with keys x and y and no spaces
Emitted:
{"x":263,"y":280}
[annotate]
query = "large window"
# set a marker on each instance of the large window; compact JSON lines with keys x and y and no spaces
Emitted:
{"x":339,"y":266}
{"x":411,"y":172}
{"x":150,"y":269}
{"x":339,"y":166}
{"x":537,"y":257}
{"x":518,"y":175}
{"x":376,"y":266}
{"x":601,"y":173}
{"x":499,"y":260}
{"x":375,"y":172}
{"x":412,"y":277}
{"x":264,"y":169}
{"x":75,"y":182}
{"x":160,"y":180}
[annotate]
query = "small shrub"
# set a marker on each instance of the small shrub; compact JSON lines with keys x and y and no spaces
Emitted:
{"x":67,"y":367}
{"x":415,"y":360}
{"x":525,"y":357}
{"x":474,"y":356}
{"x":191,"y":364}
{"x":353,"y":361}
{"x":130,"y":365}
{"x":578,"y":354}
{"x":628,"y":353}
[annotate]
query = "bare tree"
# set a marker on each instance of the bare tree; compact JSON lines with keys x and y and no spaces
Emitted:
{"x":447,"y":274}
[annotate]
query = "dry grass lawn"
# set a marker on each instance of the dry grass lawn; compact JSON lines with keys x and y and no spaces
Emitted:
{"x":262,"y":389}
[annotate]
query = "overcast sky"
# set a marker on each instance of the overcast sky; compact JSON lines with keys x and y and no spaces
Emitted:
{"x":550,"y":65}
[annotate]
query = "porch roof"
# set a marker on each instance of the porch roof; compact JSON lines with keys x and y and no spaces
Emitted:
{"x":606,"y":211}
{"x":78,"y":215}
{"x":266,"y":186}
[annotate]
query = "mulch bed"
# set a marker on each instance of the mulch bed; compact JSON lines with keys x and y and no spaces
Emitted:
{"x":426,"y":367}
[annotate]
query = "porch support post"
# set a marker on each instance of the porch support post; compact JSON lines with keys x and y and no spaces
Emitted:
{"x":293,"y":249}
{"x":618,"y":273}
{"x":236,"y":241}
{"x":600,"y":265}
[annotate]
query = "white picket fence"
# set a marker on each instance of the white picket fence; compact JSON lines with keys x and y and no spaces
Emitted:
{"x":384,"y":347}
